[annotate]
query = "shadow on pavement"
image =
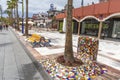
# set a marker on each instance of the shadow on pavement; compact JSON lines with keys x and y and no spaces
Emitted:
{"x":5,"y":44}
{"x":30,"y":72}
{"x":3,"y":33}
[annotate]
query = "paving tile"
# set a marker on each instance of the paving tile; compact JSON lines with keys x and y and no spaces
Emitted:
{"x":110,"y":50}
{"x":15,"y":64}
{"x":1,"y":61}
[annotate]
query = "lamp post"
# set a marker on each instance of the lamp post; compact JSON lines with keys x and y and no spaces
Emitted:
{"x":22,"y":17}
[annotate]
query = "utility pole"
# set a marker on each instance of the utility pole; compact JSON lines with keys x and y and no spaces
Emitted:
{"x":22,"y":2}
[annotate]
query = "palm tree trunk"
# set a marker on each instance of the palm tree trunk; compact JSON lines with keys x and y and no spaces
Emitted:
{"x":14,"y":17}
{"x":11,"y":18}
{"x":1,"y":11}
{"x":68,"y":53}
{"x":17,"y":15}
{"x":26,"y":28}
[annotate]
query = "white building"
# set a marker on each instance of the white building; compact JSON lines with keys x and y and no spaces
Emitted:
{"x":41,"y":19}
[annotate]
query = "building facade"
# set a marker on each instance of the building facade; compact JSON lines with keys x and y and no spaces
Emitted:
{"x":40,"y":19}
{"x":102,"y":19}
{"x":103,"y":1}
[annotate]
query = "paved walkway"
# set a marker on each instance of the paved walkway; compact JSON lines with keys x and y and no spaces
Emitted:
{"x":109,"y":51}
{"x":108,"y":57}
{"x":104,"y":57}
{"x":14,"y":61}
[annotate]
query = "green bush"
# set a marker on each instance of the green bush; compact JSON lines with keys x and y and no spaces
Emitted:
{"x":60,"y":31}
{"x":61,"y":26}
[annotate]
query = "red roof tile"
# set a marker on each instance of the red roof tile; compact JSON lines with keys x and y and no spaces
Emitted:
{"x":96,"y":10}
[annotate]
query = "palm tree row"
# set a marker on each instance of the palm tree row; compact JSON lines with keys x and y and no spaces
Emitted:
{"x":68,"y":53}
{"x":12,"y":11}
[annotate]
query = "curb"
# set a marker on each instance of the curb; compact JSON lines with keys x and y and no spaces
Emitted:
{"x":38,"y":66}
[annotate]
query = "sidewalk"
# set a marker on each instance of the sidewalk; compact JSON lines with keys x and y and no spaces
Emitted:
{"x":108,"y":50}
{"x":106,"y":47}
{"x":15,"y":64}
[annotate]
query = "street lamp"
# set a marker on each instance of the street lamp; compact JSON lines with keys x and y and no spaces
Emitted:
{"x":22,"y":16}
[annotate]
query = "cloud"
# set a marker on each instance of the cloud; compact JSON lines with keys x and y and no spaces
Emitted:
{"x":3,"y":4}
{"x":42,"y":6}
{"x":36,"y":6}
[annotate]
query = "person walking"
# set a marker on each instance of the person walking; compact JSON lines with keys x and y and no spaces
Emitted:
{"x":6,"y":27}
{"x":0,"y":27}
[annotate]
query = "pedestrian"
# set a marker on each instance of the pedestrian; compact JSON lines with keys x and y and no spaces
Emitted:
{"x":30,"y":26}
{"x":6,"y":27}
{"x":3,"y":26}
{"x":0,"y":27}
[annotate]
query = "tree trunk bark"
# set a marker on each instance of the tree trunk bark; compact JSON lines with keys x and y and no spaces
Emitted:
{"x":68,"y":53}
{"x":17,"y":16}
{"x":14,"y":17}
{"x":11,"y":18}
{"x":26,"y":28}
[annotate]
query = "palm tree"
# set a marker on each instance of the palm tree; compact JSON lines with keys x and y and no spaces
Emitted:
{"x":1,"y":11}
{"x":68,"y":53}
{"x":26,"y":28}
{"x":17,"y":15}
{"x":15,"y":3}
{"x":10,"y":11}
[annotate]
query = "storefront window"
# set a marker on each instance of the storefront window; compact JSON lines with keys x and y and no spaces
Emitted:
{"x":116,"y":29}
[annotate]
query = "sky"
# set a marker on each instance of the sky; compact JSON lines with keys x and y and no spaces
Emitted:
{"x":38,"y":6}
